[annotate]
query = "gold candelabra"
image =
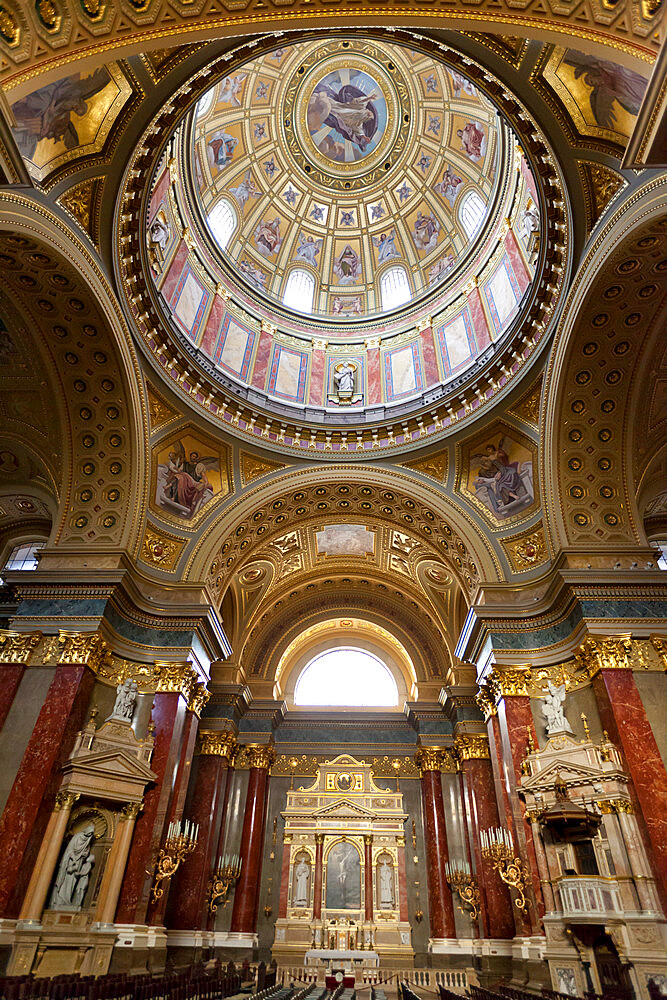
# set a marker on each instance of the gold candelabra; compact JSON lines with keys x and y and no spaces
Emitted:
{"x":179,"y":843}
{"x":227,"y":872}
{"x":498,"y":847}
{"x":460,"y":877}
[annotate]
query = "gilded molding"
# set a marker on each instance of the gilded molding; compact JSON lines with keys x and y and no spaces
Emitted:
{"x":472,"y":747}
{"x":604,"y":653}
{"x":18,"y":647}
{"x":175,"y":678}
{"x":218,"y":744}
{"x":434,"y":759}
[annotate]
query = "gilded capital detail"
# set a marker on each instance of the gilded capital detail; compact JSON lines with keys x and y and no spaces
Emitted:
{"x":486,"y":702}
{"x":472,"y":747}
{"x":176,"y":678}
{"x":511,"y":682}
{"x":434,"y":759}
{"x":218,"y":744}
{"x":18,"y":647}
{"x":260,"y":756}
{"x":659,"y":643}
{"x":604,"y":653}
{"x":198,"y":699}
{"x":130,"y":811}
{"x":88,"y":648}
{"x":65,"y":801}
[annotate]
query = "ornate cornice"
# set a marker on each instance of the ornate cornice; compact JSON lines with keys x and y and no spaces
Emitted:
{"x":604,"y":653}
{"x":218,"y":744}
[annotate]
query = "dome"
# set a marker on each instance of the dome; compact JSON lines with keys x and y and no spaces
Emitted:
{"x":345,"y":178}
{"x":348,"y":228}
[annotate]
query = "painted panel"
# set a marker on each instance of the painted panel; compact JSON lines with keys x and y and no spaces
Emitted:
{"x":287,"y":377}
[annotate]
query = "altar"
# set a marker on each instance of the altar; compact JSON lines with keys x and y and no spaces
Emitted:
{"x":341,"y":959}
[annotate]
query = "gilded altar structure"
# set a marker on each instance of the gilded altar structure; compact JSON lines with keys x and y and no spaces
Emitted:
{"x":343,"y":886}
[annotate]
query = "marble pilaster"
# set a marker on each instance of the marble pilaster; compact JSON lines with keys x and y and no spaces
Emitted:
{"x":317,"y":881}
{"x":246,"y":897}
{"x":368,"y":877}
{"x":31,"y":798}
{"x":441,"y":908}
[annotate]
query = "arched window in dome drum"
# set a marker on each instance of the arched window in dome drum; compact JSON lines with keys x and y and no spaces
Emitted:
{"x":394,"y":288}
{"x":205,"y":102}
{"x":299,"y":291}
{"x":222,"y":222}
{"x":471,"y":212}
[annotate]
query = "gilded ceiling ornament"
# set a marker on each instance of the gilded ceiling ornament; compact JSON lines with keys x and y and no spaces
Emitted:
{"x":78,"y":201}
{"x":472,"y":747}
{"x":528,"y":406}
{"x":600,"y":184}
{"x":435,"y":466}
{"x":176,"y":677}
{"x":18,"y":647}
{"x":252,"y":467}
{"x":9,"y":27}
{"x":526,"y":550}
{"x":48,"y":13}
{"x":83,"y":647}
{"x":160,"y":549}
{"x":160,"y":411}
{"x":604,"y":653}
{"x":220,"y":743}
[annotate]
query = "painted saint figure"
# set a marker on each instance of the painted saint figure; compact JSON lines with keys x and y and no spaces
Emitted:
{"x":349,"y":111}
{"x":220,"y":148}
{"x":308,"y":248}
{"x":473,"y":140}
{"x":267,"y":236}
{"x":47,"y":112}
{"x":426,"y":230}
{"x":386,"y":246}
{"x":347,"y":266}
{"x":245,"y":190}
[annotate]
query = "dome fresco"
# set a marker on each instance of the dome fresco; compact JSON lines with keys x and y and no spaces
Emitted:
{"x":343,"y":224}
{"x":346,"y":159}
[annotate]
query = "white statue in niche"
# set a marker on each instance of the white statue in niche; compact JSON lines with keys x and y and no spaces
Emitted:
{"x":74,"y":872}
{"x":344,"y":378}
{"x":302,"y":871}
{"x":126,"y":698}
{"x":552,"y":710}
{"x":386,"y":886}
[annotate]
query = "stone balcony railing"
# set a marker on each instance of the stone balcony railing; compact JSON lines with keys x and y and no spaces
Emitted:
{"x":590,"y":895}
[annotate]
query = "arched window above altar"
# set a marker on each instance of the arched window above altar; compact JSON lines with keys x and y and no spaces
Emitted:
{"x":348,"y":677}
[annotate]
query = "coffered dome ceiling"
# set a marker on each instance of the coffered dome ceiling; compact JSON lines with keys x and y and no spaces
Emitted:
{"x":351,"y":228}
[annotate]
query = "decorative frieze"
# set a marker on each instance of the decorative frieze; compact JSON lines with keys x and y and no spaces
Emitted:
{"x":255,"y":755}
{"x":471,"y":747}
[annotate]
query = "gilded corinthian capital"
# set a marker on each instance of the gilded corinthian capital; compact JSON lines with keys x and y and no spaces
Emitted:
{"x":472,"y":747}
{"x":83,"y":647}
{"x":176,"y":677}
{"x":218,"y":744}
{"x":18,"y":647}
{"x":198,"y":699}
{"x":260,"y":755}
{"x":604,"y":653}
{"x":510,"y":681}
{"x":434,"y":759}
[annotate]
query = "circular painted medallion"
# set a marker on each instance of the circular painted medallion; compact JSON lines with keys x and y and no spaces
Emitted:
{"x":346,"y":115}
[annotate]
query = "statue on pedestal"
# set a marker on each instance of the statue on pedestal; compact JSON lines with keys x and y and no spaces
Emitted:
{"x":386,"y":886}
{"x":302,"y":872}
{"x":74,"y":872}
{"x":126,"y":698}
{"x":552,"y":710}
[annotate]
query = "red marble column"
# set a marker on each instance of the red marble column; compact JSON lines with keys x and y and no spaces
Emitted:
{"x":317,"y":373}
{"x":317,"y":881}
{"x":261,"y":365}
{"x":515,"y":721}
{"x":31,"y":799}
{"x":441,"y":908}
{"x":368,"y":877}
{"x":521,"y":271}
{"x":496,"y":908}
{"x":284,"y":885}
{"x":169,"y":712}
{"x":246,"y":897}
{"x":402,"y":885}
{"x":622,"y":715}
{"x":11,"y":675}
{"x":373,"y":372}
{"x":188,"y":900}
